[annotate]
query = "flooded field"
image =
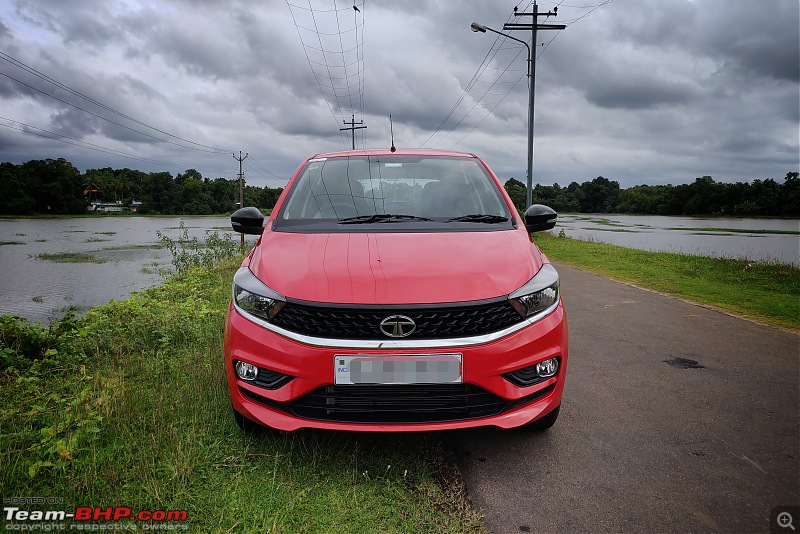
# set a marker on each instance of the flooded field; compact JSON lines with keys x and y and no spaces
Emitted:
{"x":772,"y":240}
{"x":50,"y":265}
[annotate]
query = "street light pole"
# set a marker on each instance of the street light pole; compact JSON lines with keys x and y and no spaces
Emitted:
{"x":481,"y":28}
{"x":531,"y":72}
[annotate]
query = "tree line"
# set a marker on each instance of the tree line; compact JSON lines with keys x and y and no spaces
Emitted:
{"x":704,"y":196}
{"x":56,"y":186}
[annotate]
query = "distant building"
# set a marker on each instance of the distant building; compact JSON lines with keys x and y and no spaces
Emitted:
{"x":96,"y":203}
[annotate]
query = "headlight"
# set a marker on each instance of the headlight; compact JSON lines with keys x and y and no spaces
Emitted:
{"x":253,"y":297}
{"x":539,"y":294}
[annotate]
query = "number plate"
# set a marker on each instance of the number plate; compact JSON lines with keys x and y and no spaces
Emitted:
{"x":398,"y":369}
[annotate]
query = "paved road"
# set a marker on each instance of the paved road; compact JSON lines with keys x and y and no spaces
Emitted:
{"x":641,"y":445}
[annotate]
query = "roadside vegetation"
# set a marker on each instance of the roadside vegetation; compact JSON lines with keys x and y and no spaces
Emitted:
{"x":128,"y":406}
{"x":767,"y":292}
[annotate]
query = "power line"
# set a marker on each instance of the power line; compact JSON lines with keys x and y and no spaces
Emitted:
{"x":339,"y":75}
{"x":493,"y":50}
{"x":265,"y":170}
{"x":484,"y":67}
{"x":258,"y":168}
{"x":27,"y":129}
{"x":65,"y":87}
{"x":77,"y":142}
{"x":104,"y":118}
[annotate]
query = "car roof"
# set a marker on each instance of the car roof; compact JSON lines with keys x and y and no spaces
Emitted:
{"x":396,"y":152}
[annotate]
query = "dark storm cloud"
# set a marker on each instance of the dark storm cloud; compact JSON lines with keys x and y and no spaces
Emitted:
{"x":742,"y":38}
{"x":751,"y":40}
{"x":12,"y":89}
{"x":645,"y":91}
{"x":638,"y":92}
{"x":71,"y":122}
{"x":87,"y":22}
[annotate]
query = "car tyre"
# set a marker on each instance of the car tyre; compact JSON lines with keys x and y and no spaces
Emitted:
{"x":540,"y":425}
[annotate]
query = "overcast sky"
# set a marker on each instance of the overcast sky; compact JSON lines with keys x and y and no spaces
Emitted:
{"x":638,"y":91}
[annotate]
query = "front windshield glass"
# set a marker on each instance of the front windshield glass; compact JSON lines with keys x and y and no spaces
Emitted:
{"x":368,"y":189}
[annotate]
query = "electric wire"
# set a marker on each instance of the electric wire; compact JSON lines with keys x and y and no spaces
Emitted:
{"x":339,"y":76}
{"x":249,"y":165}
{"x":490,"y":55}
{"x":26,"y":128}
{"x":33,"y":71}
{"x":104,"y":118}
{"x":464,"y":93}
{"x":482,"y":68}
{"x":265,"y":170}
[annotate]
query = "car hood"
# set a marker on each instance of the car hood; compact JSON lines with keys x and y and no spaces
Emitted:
{"x":395,"y":268}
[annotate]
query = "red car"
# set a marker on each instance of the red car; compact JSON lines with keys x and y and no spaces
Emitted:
{"x":395,"y":291}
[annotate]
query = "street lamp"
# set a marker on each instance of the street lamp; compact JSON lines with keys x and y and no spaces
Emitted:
{"x":481,"y":28}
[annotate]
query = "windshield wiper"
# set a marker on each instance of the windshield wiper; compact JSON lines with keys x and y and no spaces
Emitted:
{"x":380,"y":218}
{"x":480,"y":217}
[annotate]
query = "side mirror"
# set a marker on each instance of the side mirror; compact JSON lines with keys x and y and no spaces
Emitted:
{"x":539,"y":217}
{"x":248,"y":221}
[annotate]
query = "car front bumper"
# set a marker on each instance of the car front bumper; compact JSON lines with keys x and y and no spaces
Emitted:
{"x":303,"y":394}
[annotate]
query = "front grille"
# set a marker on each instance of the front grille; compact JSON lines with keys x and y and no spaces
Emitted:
{"x":363,"y":323}
{"x":397,"y":404}
{"x":409,"y":403}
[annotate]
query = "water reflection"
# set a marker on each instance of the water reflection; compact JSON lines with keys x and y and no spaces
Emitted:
{"x":120,"y":255}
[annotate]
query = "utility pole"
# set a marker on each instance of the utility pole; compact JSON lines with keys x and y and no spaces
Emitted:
{"x":533,"y":27}
{"x":353,"y":127}
{"x":240,"y":159}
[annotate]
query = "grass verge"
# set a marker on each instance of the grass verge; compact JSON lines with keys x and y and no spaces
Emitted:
{"x":767,"y":292}
{"x":128,"y":406}
{"x":72,"y":257}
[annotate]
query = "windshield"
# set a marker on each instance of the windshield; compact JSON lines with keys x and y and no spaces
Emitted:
{"x":393,"y":189}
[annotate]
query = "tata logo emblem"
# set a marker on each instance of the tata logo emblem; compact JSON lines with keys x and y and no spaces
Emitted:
{"x":398,"y":326}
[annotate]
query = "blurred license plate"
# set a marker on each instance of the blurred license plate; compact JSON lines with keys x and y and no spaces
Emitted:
{"x":398,"y":369}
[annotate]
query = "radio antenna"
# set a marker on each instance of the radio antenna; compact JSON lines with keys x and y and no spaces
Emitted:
{"x":391,"y":129}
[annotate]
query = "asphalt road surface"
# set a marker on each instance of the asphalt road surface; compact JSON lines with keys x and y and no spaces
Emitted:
{"x":642,"y":445}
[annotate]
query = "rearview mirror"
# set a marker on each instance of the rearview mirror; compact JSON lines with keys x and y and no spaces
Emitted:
{"x":248,"y":221}
{"x":539,"y":217}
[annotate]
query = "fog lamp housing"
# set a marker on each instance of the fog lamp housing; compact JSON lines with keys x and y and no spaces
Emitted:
{"x":246,"y":371}
{"x":547,"y":368}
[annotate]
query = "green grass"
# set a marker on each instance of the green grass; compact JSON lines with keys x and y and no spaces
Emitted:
{"x":622,"y":230}
{"x":90,"y":256}
{"x":740,"y":231}
{"x":152,"y":246}
{"x":767,"y":292}
{"x":128,"y":406}
{"x":72,"y":257}
{"x":3,"y":243}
